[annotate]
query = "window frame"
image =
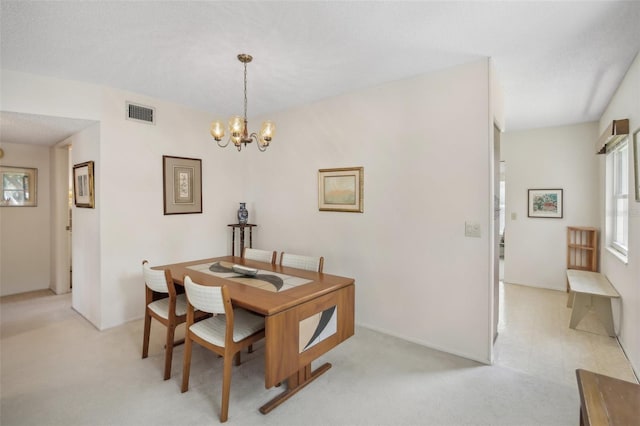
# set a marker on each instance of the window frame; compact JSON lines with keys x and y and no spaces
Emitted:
{"x":617,"y":190}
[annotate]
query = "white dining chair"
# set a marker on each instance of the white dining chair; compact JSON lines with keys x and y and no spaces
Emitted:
{"x":260,"y":255}
{"x":167,"y":307}
{"x":308,"y":263}
{"x":226,"y":333}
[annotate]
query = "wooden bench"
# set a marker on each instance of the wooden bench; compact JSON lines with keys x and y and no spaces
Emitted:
{"x":607,"y":401}
{"x":590,"y":290}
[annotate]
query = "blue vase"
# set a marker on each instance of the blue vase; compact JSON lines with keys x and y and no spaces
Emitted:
{"x":243,"y":214}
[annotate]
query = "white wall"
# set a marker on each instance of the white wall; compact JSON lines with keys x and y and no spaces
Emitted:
{"x":425,"y":146}
{"x":133,"y":226}
{"x":128,"y":225}
{"x":86,"y":237}
{"x":626,"y":277}
{"x":25,"y":231}
{"x":557,"y":157}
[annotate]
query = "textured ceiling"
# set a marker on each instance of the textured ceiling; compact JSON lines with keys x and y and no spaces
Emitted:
{"x":38,"y":129}
{"x":558,"y":62}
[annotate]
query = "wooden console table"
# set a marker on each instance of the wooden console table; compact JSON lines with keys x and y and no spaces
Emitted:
{"x":606,"y":401}
{"x":241,"y":228}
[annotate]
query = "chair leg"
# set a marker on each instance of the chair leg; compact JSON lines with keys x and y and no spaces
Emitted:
{"x":147,"y":332}
{"x":186,"y":367}
{"x":236,"y":358}
{"x":250,"y":349}
{"x":168,"y":355}
{"x":226,"y":388}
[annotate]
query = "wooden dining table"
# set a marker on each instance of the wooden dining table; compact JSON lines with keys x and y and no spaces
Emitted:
{"x":306,"y":313}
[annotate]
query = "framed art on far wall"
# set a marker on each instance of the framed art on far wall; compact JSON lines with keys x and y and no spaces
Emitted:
{"x":545,"y":203}
{"x":83,"y":185}
{"x":182,"y":182}
{"x":341,"y":190}
{"x":18,"y":186}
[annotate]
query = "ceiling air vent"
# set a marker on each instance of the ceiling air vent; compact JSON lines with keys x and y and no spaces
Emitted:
{"x":141,"y":113}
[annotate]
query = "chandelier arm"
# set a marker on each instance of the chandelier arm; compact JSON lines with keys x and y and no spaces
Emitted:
{"x":223,"y":145}
{"x":256,"y":139}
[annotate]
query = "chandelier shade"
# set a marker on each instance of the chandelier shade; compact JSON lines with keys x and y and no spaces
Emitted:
{"x":238,"y":132}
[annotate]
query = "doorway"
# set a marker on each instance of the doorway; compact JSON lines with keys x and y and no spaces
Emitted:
{"x":496,"y":229}
{"x":502,"y":208}
{"x":61,"y":202}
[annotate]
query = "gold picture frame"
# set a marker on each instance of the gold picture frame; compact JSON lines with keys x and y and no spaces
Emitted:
{"x":18,"y":186}
{"x":182,"y":180}
{"x":83,"y":185}
{"x":341,"y":190}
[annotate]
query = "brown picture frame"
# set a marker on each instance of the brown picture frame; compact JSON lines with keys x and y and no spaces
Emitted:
{"x":182,"y":185}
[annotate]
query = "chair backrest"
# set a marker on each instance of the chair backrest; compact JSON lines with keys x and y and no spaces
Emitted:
{"x":155,"y":279}
{"x":259,"y":255}
{"x":308,"y":263}
{"x":205,"y":298}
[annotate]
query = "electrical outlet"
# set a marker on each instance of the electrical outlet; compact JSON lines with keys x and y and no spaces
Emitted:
{"x":472,"y":229}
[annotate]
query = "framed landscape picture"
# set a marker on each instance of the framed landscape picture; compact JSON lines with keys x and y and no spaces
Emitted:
{"x":83,"y":185}
{"x":341,"y":190}
{"x":182,"y":189}
{"x":545,"y":203}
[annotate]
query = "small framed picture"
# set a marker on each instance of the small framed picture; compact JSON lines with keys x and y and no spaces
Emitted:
{"x":18,"y":186}
{"x":83,"y":185}
{"x":182,"y":185}
{"x":545,"y":203}
{"x":341,"y":190}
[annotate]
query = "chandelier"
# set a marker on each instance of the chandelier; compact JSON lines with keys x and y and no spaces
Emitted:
{"x":238,"y":133}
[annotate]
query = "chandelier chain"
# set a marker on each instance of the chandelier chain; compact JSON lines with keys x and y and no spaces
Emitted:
{"x":245,"y":90}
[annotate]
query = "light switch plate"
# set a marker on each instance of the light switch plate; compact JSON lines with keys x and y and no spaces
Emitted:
{"x":472,"y":229}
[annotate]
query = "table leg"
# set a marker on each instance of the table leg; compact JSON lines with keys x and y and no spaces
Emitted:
{"x":251,"y":237}
{"x":602,"y":306}
{"x":570,"y":299}
{"x":581,"y":304}
{"x":241,"y":240}
{"x":296,"y":382}
{"x":233,"y":241}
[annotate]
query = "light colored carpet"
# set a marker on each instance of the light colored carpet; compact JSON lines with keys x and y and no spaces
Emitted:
{"x":57,"y":369}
